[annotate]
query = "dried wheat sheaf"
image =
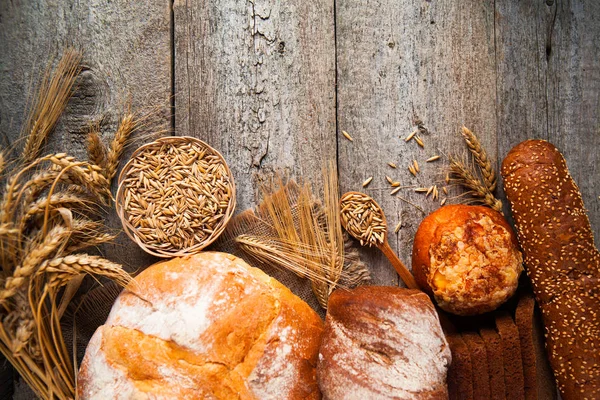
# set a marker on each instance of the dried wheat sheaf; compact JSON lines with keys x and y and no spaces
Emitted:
{"x":50,"y":210}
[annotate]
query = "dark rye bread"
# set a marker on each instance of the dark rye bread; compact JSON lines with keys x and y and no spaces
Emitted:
{"x":561,"y":260}
{"x":538,"y":376}
{"x":460,"y":374}
{"x":481,"y":374}
{"x":511,"y":352}
{"x":495,"y":361}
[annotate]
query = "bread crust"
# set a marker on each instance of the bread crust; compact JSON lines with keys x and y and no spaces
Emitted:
{"x":205,"y":326}
{"x":460,"y":375}
{"x":511,"y":352}
{"x":493,"y":348}
{"x":561,"y":260}
{"x":481,"y":373}
{"x":497,"y":278}
{"x":383,"y":343}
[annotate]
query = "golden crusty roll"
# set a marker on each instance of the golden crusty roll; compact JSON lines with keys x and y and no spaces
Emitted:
{"x":206,"y":326}
{"x":382,"y":343}
{"x":467,"y":258}
{"x":562,"y":262}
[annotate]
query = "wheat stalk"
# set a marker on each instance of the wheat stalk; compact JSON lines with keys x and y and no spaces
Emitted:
{"x":31,"y":262}
{"x":2,"y":162}
{"x":467,"y":178}
{"x":96,"y":150}
{"x":126,"y":127}
{"x":485,"y":165}
{"x":52,"y":98}
{"x":60,"y":270}
{"x":35,"y":251}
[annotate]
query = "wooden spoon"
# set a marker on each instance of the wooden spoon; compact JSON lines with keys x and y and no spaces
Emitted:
{"x":364,"y":219}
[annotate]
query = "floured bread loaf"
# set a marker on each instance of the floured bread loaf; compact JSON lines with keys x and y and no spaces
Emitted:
{"x":204,"y":327}
{"x":382,"y":343}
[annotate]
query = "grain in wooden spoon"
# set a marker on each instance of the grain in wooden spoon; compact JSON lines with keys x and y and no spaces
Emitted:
{"x":364,"y":219}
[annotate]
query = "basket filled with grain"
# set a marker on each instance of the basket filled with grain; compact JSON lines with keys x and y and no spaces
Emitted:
{"x":175,"y":196}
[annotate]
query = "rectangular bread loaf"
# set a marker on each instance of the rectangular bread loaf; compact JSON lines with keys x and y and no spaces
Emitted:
{"x":511,"y":354}
{"x":460,"y":374}
{"x":481,"y":373}
{"x":538,"y":376}
{"x":493,"y":348}
{"x":561,"y":260}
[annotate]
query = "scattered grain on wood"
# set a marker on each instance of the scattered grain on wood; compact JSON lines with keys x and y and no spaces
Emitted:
{"x":367,"y":181}
{"x":421,"y":190}
{"x":395,"y":184}
{"x":347,"y":136}
{"x":429,"y":191}
{"x":411,"y":168}
{"x":390,"y":180}
{"x":411,"y":135}
{"x":391,"y":164}
{"x":443,"y":201}
{"x":419,"y":141}
{"x":445,"y":190}
{"x":416,"y":166}
{"x":397,"y":228}
{"x":434,"y":158}
{"x":393,"y":192}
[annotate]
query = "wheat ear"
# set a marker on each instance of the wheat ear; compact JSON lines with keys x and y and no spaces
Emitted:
{"x":62,"y":269}
{"x":126,"y":127}
{"x":481,"y":158}
{"x":52,"y":99}
{"x":467,"y":178}
{"x":51,"y":243}
{"x":97,"y":152}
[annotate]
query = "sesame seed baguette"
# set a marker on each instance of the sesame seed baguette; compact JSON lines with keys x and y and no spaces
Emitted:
{"x":561,"y":260}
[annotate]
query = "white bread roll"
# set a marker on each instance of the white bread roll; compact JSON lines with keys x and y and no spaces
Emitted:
{"x":204,"y":327}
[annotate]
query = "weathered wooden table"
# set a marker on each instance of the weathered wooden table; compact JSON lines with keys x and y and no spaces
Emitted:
{"x":273,"y":83}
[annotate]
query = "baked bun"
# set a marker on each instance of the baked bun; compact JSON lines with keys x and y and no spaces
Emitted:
{"x":206,"y":326}
{"x":467,"y":257}
{"x":382,"y":343}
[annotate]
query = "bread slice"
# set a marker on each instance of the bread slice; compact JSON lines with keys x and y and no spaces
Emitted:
{"x":460,"y":374}
{"x":539,"y":381}
{"x":481,"y":374}
{"x":511,"y":351}
{"x":495,"y":361}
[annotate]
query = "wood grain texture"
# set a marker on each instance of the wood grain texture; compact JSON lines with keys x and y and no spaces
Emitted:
{"x":126,"y":65}
{"x":548,"y":58}
{"x":402,"y":61}
{"x":257,"y":81}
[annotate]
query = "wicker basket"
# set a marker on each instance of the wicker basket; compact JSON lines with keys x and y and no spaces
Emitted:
{"x":161,"y":244}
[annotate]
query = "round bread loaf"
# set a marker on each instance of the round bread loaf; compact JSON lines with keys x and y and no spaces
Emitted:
{"x":467,"y":257}
{"x":206,"y":326}
{"x":382,"y":343}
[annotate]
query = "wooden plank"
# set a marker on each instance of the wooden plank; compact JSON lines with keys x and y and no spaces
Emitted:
{"x":127,"y":62}
{"x":574,"y":96}
{"x":399,"y":61}
{"x":548,"y":57}
{"x":257,"y":81}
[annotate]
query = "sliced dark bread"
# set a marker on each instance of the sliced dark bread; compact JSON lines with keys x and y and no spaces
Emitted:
{"x":481,"y":374}
{"x":495,"y":360}
{"x":460,"y":374}
{"x":539,"y":381}
{"x":511,"y":351}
